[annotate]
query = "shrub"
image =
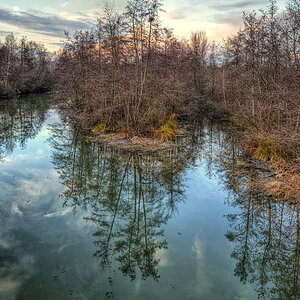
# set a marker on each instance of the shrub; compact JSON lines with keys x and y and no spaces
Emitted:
{"x":167,"y":131}
{"x":100,"y":128}
{"x":265,"y":151}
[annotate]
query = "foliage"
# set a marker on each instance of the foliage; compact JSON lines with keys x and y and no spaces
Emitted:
{"x":128,"y":73}
{"x":24,"y":67}
{"x":100,"y":128}
{"x":257,"y":80}
{"x":167,"y":131}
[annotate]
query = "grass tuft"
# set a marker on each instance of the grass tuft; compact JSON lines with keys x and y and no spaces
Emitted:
{"x":100,"y":128}
{"x":265,"y":149}
{"x":166,"y":132}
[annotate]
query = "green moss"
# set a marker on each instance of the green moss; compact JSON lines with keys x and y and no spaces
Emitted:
{"x":100,"y":128}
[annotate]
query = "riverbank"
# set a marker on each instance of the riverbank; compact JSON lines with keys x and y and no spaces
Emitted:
{"x":19,"y":93}
{"x":277,"y":170}
{"x":134,"y":144}
{"x":280,"y":152}
{"x":276,"y":155}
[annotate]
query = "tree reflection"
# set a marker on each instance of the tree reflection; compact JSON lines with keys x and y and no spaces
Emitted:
{"x":20,"y":120}
{"x":128,"y":197}
{"x":265,"y":234}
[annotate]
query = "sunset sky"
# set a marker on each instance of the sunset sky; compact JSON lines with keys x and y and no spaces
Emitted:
{"x":45,"y":21}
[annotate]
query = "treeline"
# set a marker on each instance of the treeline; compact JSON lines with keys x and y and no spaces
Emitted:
{"x":258,"y":80}
{"x":129,"y":73}
{"x":24,"y":67}
{"x":132,"y":75}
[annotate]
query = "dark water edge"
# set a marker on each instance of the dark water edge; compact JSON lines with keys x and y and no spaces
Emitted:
{"x":24,"y":93}
{"x":82,"y":221}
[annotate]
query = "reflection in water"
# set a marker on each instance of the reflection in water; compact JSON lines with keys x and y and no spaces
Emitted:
{"x":20,"y":120}
{"x":266,"y":239}
{"x":129,"y":198}
{"x":136,"y":206}
{"x":265,"y":233}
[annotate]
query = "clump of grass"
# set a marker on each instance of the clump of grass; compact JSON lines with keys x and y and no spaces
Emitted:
{"x":287,"y":185}
{"x":166,"y":131}
{"x":100,"y":128}
{"x":265,"y":149}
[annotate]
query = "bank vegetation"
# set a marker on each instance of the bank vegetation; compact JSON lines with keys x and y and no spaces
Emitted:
{"x":131,"y":76}
{"x":25,"y":67}
{"x":259,"y":87}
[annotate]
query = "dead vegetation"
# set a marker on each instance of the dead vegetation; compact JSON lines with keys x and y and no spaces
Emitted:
{"x":134,"y":144}
{"x":287,"y":183}
{"x":134,"y":77}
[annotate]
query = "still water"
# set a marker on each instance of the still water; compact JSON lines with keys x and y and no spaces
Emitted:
{"x":79,"y":221}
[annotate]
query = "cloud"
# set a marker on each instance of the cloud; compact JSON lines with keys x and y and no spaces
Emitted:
{"x":233,"y":19}
{"x":216,"y":11}
{"x":15,"y":269}
{"x":181,"y":12}
{"x":162,"y":256}
{"x":198,"y":248}
{"x":234,"y":5}
{"x":16,"y":210}
{"x":66,"y":3}
{"x":60,"y":45}
{"x":176,"y":14}
{"x":2,"y":32}
{"x":39,"y":22}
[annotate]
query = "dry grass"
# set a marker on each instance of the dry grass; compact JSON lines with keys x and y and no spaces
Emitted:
{"x":135,"y":144}
{"x":287,"y":184}
{"x":166,"y":132}
{"x":100,"y":128}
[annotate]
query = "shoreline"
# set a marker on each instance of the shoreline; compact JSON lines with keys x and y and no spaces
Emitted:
{"x":142,"y":145}
{"x":279,"y":179}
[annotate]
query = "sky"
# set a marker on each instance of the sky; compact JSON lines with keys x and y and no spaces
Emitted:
{"x":46,"y":20}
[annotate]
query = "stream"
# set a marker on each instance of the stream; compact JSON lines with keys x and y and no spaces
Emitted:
{"x":83,"y":221}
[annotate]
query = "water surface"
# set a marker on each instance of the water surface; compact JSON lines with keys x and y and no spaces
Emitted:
{"x":80,"y":221}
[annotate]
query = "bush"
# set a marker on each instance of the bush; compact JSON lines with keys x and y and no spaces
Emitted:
{"x":100,"y":128}
{"x":167,"y":131}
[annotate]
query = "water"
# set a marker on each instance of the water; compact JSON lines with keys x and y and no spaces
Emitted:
{"x":78,"y":221}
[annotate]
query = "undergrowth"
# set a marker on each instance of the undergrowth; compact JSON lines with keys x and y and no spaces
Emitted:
{"x":166,"y":131}
{"x":100,"y":128}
